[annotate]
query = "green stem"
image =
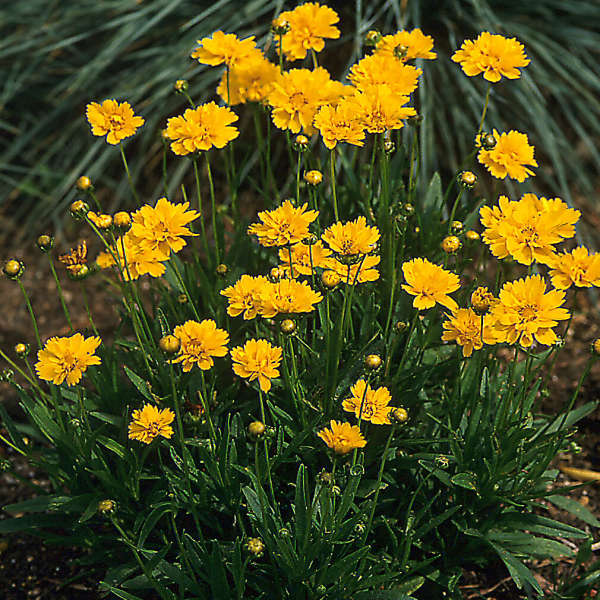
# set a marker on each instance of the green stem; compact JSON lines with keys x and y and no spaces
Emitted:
{"x":199,"y":196}
{"x":333,"y":187}
{"x":129,"y":178}
{"x":87,"y":308}
{"x":31,"y":314}
{"x":267,"y":460}
{"x":60,"y":292}
{"x":485,"y":107}
{"x":206,"y":406}
{"x":214,"y":209}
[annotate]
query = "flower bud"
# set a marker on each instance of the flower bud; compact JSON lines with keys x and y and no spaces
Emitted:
{"x":350,"y":259}
{"x":181,"y":85}
{"x":122,"y":221}
{"x":14,"y":268}
{"x":400,"y":51}
{"x":7,"y":375}
{"x":372,"y":37}
{"x":456,"y":226}
{"x":45,"y":242}
{"x":487,"y":141}
{"x":389,"y":147}
{"x":182,"y":299}
{"x":596,"y":346}
{"x":401,"y":326}
{"x":280,"y":26}
{"x":102,"y":222}
{"x":287,"y":326}
{"x":256,"y":429}
{"x":78,"y":272}
{"x":256,"y":547}
{"x":482,"y":300}
{"x":373,"y":361}
{"x":398,"y":415}
{"x":22,"y":350}
{"x":79,"y":209}
{"x":106,"y":507}
{"x":301,"y":143}
{"x":275,"y":274}
{"x":326,"y":478}
{"x":169,"y":344}
{"x":472,"y":235}
{"x":84,"y":183}
{"x":311,"y":240}
{"x":313,"y":177}
{"x":467,"y":178}
{"x":451,"y":244}
{"x":222,"y":270}
{"x":284,"y":532}
{"x":441,"y":461}
{"x":409,"y":209}
{"x":330,"y":279}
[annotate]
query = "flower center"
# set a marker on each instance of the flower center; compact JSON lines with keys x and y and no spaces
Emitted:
{"x":116,"y":121}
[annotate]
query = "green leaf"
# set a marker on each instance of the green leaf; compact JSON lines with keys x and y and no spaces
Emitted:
{"x":119,"y":593}
{"x":152,"y":519}
{"x":575,"y":508}
{"x":141,"y":385}
{"x":521,"y":575}
{"x":301,"y":504}
{"x":465,"y":480}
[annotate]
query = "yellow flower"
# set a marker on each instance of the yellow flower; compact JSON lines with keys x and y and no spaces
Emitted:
{"x":482,"y":300}
{"x":201,"y":128}
{"x":359,"y":272}
{"x":200,"y":341}
{"x":353,"y":237}
{"x":342,"y":437}
{"x":287,"y":296}
{"x":224,"y":48}
{"x":162,"y":227}
{"x":493,"y":55}
{"x":298,"y":94}
{"x":379,"y":109}
{"x":417,"y":43}
{"x":257,"y":359}
{"x":249,"y":81}
{"x":305,"y":258}
{"x":244,"y":296}
{"x":369,"y":404}
{"x":75,"y":258}
{"x":313,"y":177}
{"x":578,"y":268}
{"x":510,"y":157}
{"x":101,"y":221}
{"x":378,"y":69}
{"x":67,"y":358}
{"x":283,"y":225}
{"x":113,"y":120}
{"x":309,"y":24}
{"x":464,"y":327}
{"x":339,"y":124}
{"x":525,"y":311}
{"x":149,"y":422}
{"x":429,"y":283}
{"x":527,"y":229}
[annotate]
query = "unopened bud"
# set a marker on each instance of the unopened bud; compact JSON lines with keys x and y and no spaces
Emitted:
{"x":14,"y":268}
{"x":79,"y":209}
{"x":106,"y":507}
{"x":122,"y":221}
{"x":256,"y":547}
{"x":472,"y":235}
{"x":372,"y":38}
{"x":287,"y":326}
{"x":451,"y":244}
{"x":389,"y":147}
{"x":330,"y":279}
{"x":84,"y":183}
{"x":373,"y":361}
{"x":400,"y":51}
{"x":301,"y":143}
{"x":313,"y":177}
{"x":181,"y":85}
{"x":256,"y":429}
{"x":467,"y":178}
{"x":456,"y":226}
{"x":280,"y":26}
{"x":169,"y":344}
{"x":398,"y":415}
{"x":22,"y":350}
{"x":45,"y":242}
{"x":222,"y":270}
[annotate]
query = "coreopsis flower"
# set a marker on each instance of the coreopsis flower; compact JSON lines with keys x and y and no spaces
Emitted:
{"x":309,"y":25}
{"x":67,"y":358}
{"x":244,"y":296}
{"x":249,"y":81}
{"x":430,"y":284}
{"x":417,"y":44}
{"x":134,"y":258}
{"x":305,"y":258}
{"x":286,"y":224}
{"x":75,"y":259}
{"x":527,"y":229}
{"x":482,"y":300}
{"x":113,"y":120}
{"x":525,"y":311}
{"x":288,"y":296}
{"x":578,"y":267}
{"x":339,"y":124}
{"x":342,"y":437}
{"x":352,"y":237}
{"x":150,"y":422}
{"x":369,"y":404}
{"x":162,"y":227}
{"x":224,"y":49}
{"x":464,"y":327}
{"x":493,"y":55}
{"x":200,"y":341}
{"x":101,"y":221}
{"x":511,"y":156}
{"x":201,"y":128}
{"x":361,"y":271}
{"x":379,"y":109}
{"x":297,"y":96}
{"x":257,"y":359}
{"x":378,"y":69}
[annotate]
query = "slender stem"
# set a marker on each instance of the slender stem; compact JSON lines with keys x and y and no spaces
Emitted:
{"x":485,"y":107}
{"x":408,"y":340}
{"x":314,"y":58}
{"x":199,"y":196}
{"x":87,"y":308}
{"x":128,"y":174}
{"x":267,"y":460}
{"x":214,"y":209}
{"x":206,"y":406}
{"x":333,"y":189}
{"x":31,"y":314}
{"x":60,"y":292}
{"x":454,"y":208}
{"x":298,"y":179}
{"x":184,"y":288}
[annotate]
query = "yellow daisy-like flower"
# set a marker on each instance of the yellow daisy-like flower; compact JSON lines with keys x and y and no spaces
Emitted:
{"x":150,"y":422}
{"x":113,"y":120}
{"x":430,"y":284}
{"x":288,"y":296}
{"x":353,"y":237}
{"x":369,"y":404}
{"x":378,"y":69}
{"x":305,"y":258}
{"x":201,"y":128}
{"x":527,"y":229}
{"x":578,"y":267}
{"x":464,"y":327}
{"x":283,"y":225}
{"x":244,"y":296}
{"x":257,"y":359}
{"x":511,"y":156}
{"x":67,"y":358}
{"x":297,"y":96}
{"x":310,"y":24}
{"x":379,"y":109}
{"x":342,"y":437}
{"x":224,"y":48}
{"x":359,"y":272}
{"x":493,"y":55}
{"x":200,"y":341}
{"x":249,"y":81}
{"x":163,"y":227}
{"x":417,"y":44}
{"x":525,"y":311}
{"x":339,"y":124}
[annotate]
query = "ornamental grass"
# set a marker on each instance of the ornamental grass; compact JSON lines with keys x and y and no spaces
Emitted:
{"x":328,"y":387}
